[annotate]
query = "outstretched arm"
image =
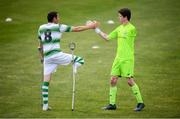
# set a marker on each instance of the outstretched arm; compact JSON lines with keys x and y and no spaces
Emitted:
{"x":101,"y":34}
{"x":98,"y":31}
{"x":92,"y":25}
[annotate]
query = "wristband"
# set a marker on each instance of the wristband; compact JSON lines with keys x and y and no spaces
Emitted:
{"x":97,"y":30}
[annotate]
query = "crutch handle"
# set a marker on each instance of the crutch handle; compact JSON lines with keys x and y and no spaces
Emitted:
{"x":72,"y":46}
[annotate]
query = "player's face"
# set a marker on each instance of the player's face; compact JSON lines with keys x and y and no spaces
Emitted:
{"x":56,"y":20}
{"x":122,"y":19}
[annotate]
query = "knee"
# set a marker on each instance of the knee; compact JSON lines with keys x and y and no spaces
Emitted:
{"x":114,"y":80}
{"x":47,"y":78}
{"x":130,"y":82}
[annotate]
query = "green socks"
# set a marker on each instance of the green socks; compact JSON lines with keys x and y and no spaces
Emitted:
{"x":137,"y":93}
{"x":45,"y":92}
{"x":135,"y":89}
{"x":112,"y":93}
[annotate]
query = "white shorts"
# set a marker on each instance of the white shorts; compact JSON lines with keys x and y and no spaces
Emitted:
{"x":51,"y":63}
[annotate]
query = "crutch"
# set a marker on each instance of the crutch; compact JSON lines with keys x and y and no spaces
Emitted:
{"x":72,"y":48}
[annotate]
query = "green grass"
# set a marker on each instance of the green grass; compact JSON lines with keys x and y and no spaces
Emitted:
{"x":157,"y":69}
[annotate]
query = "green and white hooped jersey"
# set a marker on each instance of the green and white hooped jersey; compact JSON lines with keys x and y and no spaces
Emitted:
{"x":50,"y":36}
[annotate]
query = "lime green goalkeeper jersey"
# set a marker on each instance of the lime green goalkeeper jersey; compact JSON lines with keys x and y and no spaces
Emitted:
{"x":125,"y":35}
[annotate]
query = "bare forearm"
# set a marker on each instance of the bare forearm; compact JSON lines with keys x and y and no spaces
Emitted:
{"x":101,"y":34}
{"x":91,"y":25}
{"x":40,"y":49}
{"x":80,"y":28}
{"x":40,"y":52}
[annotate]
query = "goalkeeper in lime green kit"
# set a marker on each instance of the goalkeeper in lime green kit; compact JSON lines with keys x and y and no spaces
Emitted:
{"x":123,"y":65}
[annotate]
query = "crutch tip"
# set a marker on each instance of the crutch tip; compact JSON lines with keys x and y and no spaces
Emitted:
{"x":72,"y":109}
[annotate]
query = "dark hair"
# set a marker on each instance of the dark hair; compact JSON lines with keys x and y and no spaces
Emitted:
{"x":125,"y":12}
{"x":51,"y":15}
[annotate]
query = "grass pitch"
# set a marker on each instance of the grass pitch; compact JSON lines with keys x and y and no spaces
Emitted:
{"x":157,"y":64}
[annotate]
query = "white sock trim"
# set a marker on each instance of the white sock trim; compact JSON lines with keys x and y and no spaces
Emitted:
{"x":44,"y":87}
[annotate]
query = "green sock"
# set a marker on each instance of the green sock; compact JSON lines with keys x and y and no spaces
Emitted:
{"x":112,"y":93}
{"x":137,"y":93}
{"x":45,"y":92}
